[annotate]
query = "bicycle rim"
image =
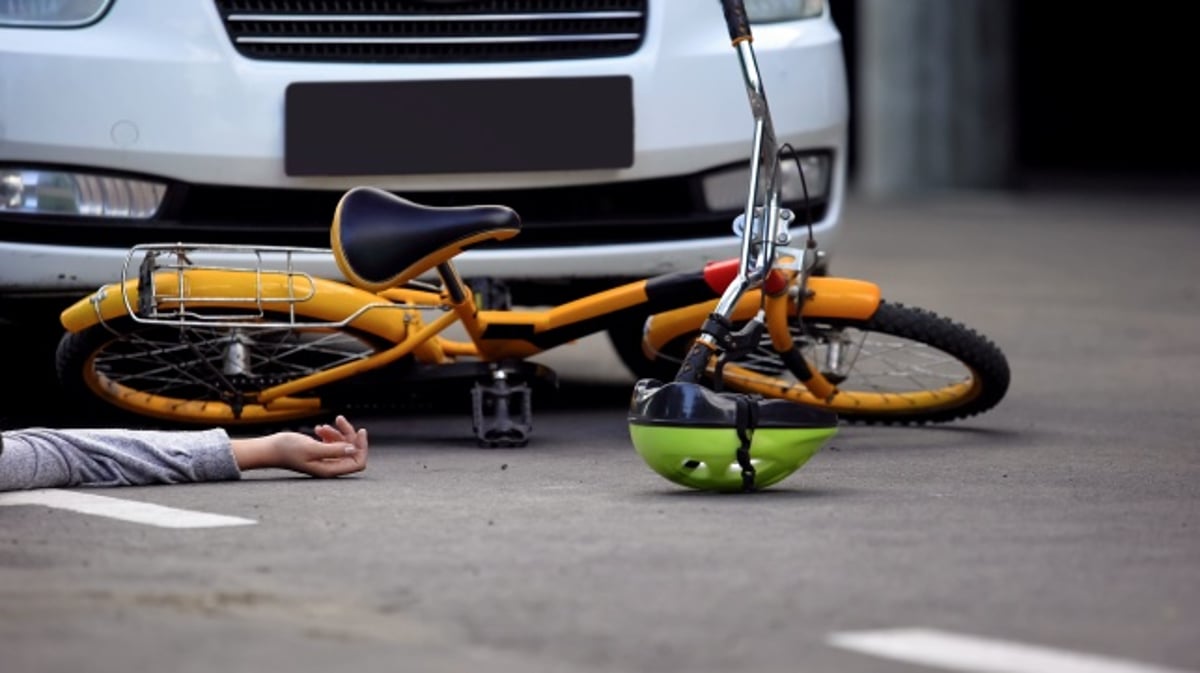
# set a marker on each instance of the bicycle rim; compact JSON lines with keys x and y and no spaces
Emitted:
{"x":207,"y":375}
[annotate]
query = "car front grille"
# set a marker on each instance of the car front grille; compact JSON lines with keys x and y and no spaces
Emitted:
{"x":433,"y":31}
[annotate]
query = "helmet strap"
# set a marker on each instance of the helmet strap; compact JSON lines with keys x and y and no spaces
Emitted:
{"x":747,"y":420}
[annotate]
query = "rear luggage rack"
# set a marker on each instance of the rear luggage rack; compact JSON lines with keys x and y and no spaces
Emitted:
{"x":159,"y":271}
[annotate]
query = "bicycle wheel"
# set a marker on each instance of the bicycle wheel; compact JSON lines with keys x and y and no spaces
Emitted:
{"x":204,"y":375}
{"x":625,"y":336}
{"x":902,"y":365}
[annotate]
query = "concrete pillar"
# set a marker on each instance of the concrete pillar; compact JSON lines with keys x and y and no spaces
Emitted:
{"x":934,"y":100}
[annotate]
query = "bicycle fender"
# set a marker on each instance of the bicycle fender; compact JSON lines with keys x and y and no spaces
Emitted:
{"x":662,"y":328}
{"x":323,"y":300}
{"x":845,"y":298}
{"x":829,"y":297}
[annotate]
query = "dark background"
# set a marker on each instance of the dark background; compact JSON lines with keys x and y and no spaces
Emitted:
{"x":1102,"y":90}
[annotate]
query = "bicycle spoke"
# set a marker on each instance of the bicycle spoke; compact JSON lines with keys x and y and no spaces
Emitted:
{"x":190,"y":364}
{"x":167,"y":375}
{"x":901,"y":365}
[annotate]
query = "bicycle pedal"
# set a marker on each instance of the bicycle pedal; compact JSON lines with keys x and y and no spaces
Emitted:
{"x":502,"y":413}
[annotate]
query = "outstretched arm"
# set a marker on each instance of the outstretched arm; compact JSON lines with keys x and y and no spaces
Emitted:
{"x":48,"y":458}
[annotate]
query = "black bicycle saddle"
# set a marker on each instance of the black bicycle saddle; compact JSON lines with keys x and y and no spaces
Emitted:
{"x":381,"y":240}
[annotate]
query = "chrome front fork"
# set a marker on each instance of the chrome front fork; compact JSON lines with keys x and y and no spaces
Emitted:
{"x":757,"y":251}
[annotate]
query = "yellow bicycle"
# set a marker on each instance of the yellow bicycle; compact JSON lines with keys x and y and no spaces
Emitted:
{"x":185,"y":341}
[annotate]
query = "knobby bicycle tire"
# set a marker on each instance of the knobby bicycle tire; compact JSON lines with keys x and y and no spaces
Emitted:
{"x":183,"y":376}
{"x":957,"y":372}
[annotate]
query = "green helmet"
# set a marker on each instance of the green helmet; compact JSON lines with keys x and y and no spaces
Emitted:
{"x":714,"y":441}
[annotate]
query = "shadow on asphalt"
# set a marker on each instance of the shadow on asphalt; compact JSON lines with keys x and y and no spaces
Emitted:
{"x":33,"y":396}
{"x":774,"y":494}
{"x":572,"y":395}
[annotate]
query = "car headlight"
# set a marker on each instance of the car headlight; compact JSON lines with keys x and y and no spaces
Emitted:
{"x":51,"y":13}
{"x":769,"y":11}
{"x":48,"y":192}
{"x":726,"y":189}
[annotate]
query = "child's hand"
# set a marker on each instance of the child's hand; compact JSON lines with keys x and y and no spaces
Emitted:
{"x":338,"y":449}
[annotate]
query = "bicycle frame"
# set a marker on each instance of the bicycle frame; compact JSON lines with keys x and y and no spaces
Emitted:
{"x":185,"y":294}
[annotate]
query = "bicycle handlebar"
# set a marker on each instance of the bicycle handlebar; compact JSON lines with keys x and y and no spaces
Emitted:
{"x":736,"y":21}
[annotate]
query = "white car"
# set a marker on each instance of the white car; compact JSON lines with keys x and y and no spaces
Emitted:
{"x":618,"y":129}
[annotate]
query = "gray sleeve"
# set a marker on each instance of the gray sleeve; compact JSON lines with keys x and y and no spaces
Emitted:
{"x":46,"y":458}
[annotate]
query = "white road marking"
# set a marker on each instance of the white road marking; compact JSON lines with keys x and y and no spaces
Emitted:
{"x":981,"y":655}
{"x":125,"y":510}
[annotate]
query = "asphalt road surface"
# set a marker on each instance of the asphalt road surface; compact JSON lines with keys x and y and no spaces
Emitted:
{"x":1057,"y":533}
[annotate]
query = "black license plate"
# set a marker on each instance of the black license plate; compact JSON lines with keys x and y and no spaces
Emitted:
{"x":461,"y":126}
